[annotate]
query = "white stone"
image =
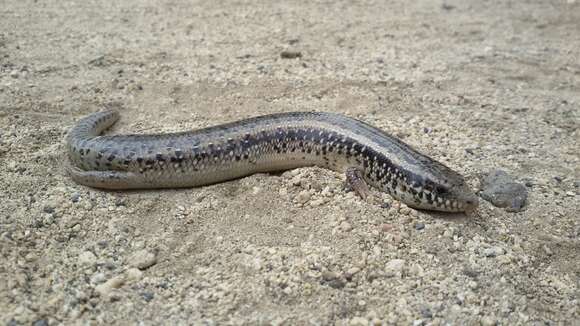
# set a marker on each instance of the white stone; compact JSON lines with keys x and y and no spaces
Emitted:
{"x":87,"y":258}
{"x":142,"y":259}
{"x":358,"y":321}
{"x":395,"y":267}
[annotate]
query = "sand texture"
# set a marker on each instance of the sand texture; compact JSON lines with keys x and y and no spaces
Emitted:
{"x":478,"y":85}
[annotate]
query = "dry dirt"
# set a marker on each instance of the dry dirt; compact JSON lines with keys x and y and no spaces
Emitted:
{"x":477,"y":85}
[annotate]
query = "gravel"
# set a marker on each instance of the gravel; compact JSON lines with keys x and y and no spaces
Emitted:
{"x":477,"y":85}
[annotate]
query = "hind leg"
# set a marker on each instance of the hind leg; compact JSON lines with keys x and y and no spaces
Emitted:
{"x":106,"y":179}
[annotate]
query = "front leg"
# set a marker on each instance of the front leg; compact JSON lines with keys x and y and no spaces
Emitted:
{"x":355,"y":180}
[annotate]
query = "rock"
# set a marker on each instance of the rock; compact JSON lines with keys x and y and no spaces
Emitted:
{"x":417,"y":270}
{"x":501,"y":190}
{"x":110,"y":285}
{"x":447,"y":7}
{"x":317,"y":202}
{"x":98,"y":278}
{"x":358,"y":321}
{"x":487,"y":321}
{"x":49,"y":209}
{"x":493,"y":251}
{"x":87,"y":258}
{"x":405,"y":210}
{"x":289,"y":54}
{"x":297,"y":181}
{"x":75,"y":197}
{"x":327,"y":192}
{"x":345,"y":226}
{"x":449,"y":233}
{"x":134,"y":274}
{"x":351,"y":272}
{"x":40,"y":322}
{"x":395,"y":267}
{"x":120,"y":202}
{"x":419,"y":226}
{"x":303,"y":197}
{"x":333,"y":279}
{"x":426,"y":312}
{"x":148,"y":296}
{"x":386,"y":227}
{"x":142,"y":259}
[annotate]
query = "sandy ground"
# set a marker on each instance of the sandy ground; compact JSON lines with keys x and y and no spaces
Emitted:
{"x":476,"y":84}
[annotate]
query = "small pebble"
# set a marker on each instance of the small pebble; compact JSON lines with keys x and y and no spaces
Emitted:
{"x":426,"y":312}
{"x":40,"y":322}
{"x":148,"y":296}
{"x":395,"y":267}
{"x":317,"y":202}
{"x":48,"y":209}
{"x":417,"y":270}
{"x":493,"y":251}
{"x":351,"y":272}
{"x":142,"y":259}
{"x":75,"y":197}
{"x":303,"y":197}
{"x":333,"y":279}
{"x":386,"y":227}
{"x":419,"y":226}
{"x":358,"y":321}
{"x":98,"y":278}
{"x":108,"y":287}
{"x":405,"y":210}
{"x":87,"y":258}
{"x":289,"y":54}
{"x":345,"y":226}
{"x":487,"y":321}
{"x":120,"y":202}
{"x":326,"y":192}
{"x":133,"y":274}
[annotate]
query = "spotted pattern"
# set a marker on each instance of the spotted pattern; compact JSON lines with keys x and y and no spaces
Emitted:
{"x":262,"y":144}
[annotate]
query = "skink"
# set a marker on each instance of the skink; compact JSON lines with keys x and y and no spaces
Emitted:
{"x":262,"y":144}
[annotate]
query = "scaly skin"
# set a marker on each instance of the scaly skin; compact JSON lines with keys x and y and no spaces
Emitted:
{"x":268,"y":143}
